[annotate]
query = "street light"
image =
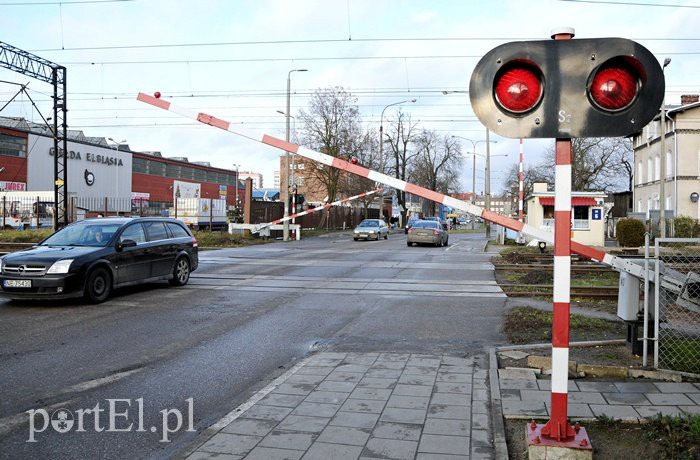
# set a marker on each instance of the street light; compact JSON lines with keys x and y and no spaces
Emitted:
{"x":487,"y":179}
{"x":285,"y":231}
{"x":236,"y":166}
{"x":662,"y":181}
{"x":381,"y":150}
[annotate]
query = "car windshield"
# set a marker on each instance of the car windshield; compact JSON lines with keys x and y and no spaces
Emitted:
{"x":425,"y":224}
{"x":369,"y":223}
{"x":92,"y":234}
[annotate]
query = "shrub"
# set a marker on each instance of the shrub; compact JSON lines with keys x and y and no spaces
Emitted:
{"x":686,"y":227}
{"x":630,"y":233}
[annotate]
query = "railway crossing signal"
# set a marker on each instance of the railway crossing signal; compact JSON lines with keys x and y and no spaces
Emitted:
{"x":601,"y":87}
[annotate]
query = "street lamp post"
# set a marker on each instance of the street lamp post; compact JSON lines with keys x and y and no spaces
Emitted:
{"x":381,"y":148}
{"x":236,"y":166}
{"x":662,"y":179}
{"x":285,"y":231}
{"x":487,"y":186}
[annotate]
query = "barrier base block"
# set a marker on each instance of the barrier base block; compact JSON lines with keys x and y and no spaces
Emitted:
{"x":540,"y":447}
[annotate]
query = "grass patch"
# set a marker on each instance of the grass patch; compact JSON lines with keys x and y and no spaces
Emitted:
{"x":24,"y":236}
{"x":529,"y":325}
{"x":206,"y":239}
{"x":680,"y":355}
{"x":678,"y":437}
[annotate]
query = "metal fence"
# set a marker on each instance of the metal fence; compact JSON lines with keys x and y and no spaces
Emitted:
{"x":675,"y":290}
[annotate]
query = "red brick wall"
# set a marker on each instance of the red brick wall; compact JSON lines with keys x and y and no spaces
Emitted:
{"x":15,"y":169}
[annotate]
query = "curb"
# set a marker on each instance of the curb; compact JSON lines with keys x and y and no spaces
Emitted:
{"x":499,"y":428}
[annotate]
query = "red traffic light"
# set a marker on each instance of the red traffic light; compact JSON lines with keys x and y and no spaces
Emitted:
{"x":354,"y":160}
{"x":615,"y":85}
{"x":518,"y":87}
{"x":156,"y":94}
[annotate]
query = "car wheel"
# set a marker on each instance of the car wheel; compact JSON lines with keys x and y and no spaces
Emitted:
{"x":446,"y":242}
{"x":181,"y":273}
{"x":386,"y":236}
{"x":98,"y":285}
{"x":355,"y":239}
{"x":409,"y":244}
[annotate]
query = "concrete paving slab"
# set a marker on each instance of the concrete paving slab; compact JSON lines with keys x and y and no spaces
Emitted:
{"x":295,"y":388}
{"x":668,"y":399}
{"x":316,"y":409}
{"x":600,"y":387}
{"x":633,"y":399}
{"x":452,"y":377}
{"x":395,"y":365}
{"x":449,"y":411}
{"x":480,"y":421}
{"x":371,"y":393}
{"x":262,"y":412}
{"x":315,"y":370}
{"x":443,"y":444}
{"x":446,"y":426}
{"x":354,"y":419}
{"x":288,"y":440}
{"x":270,"y":453}
{"x":390,"y":448}
{"x":586,"y":397}
{"x":226,"y":443}
{"x":636,"y":387}
{"x":276,"y":399}
{"x":305,"y":378}
{"x":512,"y":374}
{"x":250,"y":427}
{"x":324,"y":451}
{"x":451,"y":399}
{"x":303,"y":423}
{"x":201,"y":455}
{"x":413,"y":390}
{"x":691,"y":410}
{"x":409,"y":402}
{"x":546,"y":384}
{"x":399,"y":415}
{"x":524,"y":409}
{"x":343,"y":387}
{"x":394,"y":357}
{"x":345,"y":435}
{"x":430,"y":456}
{"x":374,"y":382}
{"x":337,"y":376}
{"x":328,"y":397}
{"x":514,"y":354}
{"x":412,"y":379}
{"x":694,"y":397}
{"x":535,"y":395}
{"x":480,"y":395}
{"x":400,"y":431}
{"x":653,"y":411}
{"x":519,"y":384}
{"x":577,"y":411}
{"x":371,"y":406}
{"x":422,"y":370}
{"x":619,"y":412}
{"x":672,"y":387}
{"x":383,"y":373}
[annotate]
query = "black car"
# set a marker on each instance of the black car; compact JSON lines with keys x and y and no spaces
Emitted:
{"x":92,"y":257}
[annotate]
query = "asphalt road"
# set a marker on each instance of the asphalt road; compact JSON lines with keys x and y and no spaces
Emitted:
{"x":247,"y":315}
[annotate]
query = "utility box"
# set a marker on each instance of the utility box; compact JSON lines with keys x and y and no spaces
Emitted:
{"x":628,"y":304}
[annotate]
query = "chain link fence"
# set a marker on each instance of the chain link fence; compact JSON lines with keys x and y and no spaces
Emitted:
{"x":676,"y":294}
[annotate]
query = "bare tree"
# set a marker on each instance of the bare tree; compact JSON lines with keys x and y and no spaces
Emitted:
{"x":599,"y":163}
{"x":438,"y":164}
{"x":331,"y":125}
{"x":368,"y":157}
{"x":399,"y":135}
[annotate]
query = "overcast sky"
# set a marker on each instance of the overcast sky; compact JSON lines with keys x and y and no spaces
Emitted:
{"x":231,"y":59}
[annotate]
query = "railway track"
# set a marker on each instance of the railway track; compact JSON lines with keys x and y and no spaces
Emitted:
{"x":530,"y":290}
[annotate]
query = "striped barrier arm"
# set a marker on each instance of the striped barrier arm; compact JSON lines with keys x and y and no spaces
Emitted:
{"x":491,"y":216}
{"x":320,"y":208}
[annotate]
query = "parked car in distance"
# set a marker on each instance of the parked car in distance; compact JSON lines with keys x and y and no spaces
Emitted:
{"x":371,"y":229}
{"x":442,"y":223}
{"x":427,"y":232}
{"x":409,"y":224}
{"x":93,"y":257}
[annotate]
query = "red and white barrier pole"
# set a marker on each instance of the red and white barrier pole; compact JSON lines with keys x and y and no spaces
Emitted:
{"x":521,"y":184}
{"x":320,"y":208}
{"x":558,"y":428}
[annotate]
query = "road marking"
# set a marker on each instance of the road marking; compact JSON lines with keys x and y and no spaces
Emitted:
{"x":9,"y":424}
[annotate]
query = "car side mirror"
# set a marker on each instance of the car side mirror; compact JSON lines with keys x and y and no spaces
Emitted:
{"x":125,"y":244}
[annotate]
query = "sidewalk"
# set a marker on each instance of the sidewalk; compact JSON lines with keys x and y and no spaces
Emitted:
{"x":364,"y":405}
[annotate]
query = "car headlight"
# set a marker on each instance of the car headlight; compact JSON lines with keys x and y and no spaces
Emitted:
{"x":371,"y":231}
{"x":61,"y":266}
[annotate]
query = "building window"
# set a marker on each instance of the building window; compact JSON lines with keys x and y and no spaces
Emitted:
{"x":581,"y":218}
{"x":640,"y":172}
{"x":669,"y":164}
{"x":13,"y":146}
{"x":200,"y":175}
{"x":172,"y":171}
{"x":640,"y":206}
{"x":156,"y":168}
{"x":657,"y":168}
{"x":650,"y":170}
{"x":139,"y":165}
{"x":186,"y":172}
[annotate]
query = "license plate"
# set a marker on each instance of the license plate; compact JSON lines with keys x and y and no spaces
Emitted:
{"x":17,"y":283}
